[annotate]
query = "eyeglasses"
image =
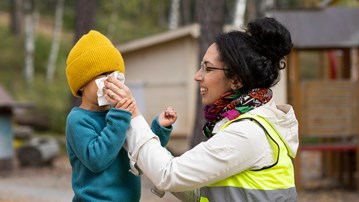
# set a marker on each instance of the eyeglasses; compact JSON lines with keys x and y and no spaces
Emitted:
{"x":205,"y":69}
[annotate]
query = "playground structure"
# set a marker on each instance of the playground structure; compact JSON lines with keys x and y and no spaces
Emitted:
{"x":326,"y":102}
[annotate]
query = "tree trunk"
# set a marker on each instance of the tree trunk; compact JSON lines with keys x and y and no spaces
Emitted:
{"x":29,"y":40}
{"x":259,"y":8}
{"x":85,"y":10}
{"x":174,"y":14}
{"x":111,"y":28}
{"x":239,"y":13}
{"x":39,"y":151}
{"x":85,"y":18}
{"x":55,"y":41}
{"x":186,"y":12}
{"x":211,"y":20}
{"x":16,"y":17}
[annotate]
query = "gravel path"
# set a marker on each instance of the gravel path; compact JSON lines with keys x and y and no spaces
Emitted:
{"x":53,"y":184}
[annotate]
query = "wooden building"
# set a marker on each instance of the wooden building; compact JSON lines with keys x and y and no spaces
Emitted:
{"x":160,"y":71}
{"x":326,"y":102}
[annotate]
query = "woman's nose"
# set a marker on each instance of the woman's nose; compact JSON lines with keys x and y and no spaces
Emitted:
{"x":198,"y":76}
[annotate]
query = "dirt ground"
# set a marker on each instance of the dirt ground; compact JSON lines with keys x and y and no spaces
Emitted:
{"x":53,"y":184}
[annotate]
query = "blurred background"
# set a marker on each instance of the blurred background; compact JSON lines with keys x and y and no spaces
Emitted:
{"x":162,"y":43}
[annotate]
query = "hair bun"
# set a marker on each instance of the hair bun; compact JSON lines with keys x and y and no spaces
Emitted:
{"x":271,"y":38}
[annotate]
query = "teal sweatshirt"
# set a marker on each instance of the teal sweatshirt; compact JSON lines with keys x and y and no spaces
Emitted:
{"x":100,"y":165}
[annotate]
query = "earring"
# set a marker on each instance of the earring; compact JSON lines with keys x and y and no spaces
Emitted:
{"x":236,"y":86}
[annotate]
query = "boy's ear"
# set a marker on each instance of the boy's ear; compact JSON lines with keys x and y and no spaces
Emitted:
{"x":236,"y":84}
{"x":79,"y":92}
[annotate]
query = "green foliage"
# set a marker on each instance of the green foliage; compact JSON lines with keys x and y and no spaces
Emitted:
{"x":68,"y":20}
{"x":283,"y":4}
{"x":43,"y":45}
{"x":11,"y":59}
{"x":4,"y":5}
{"x":52,"y":100}
{"x":136,"y":18}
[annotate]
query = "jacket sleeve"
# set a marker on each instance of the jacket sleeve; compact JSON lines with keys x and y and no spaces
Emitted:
{"x":227,"y":153}
{"x":162,"y":132}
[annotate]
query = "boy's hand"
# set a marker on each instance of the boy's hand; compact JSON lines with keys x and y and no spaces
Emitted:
{"x":120,"y":96}
{"x":168,"y":117}
{"x":126,"y":104}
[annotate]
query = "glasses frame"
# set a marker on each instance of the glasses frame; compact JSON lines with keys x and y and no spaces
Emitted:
{"x":205,"y":68}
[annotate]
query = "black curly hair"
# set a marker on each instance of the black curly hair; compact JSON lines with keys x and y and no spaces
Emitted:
{"x":255,"y":56}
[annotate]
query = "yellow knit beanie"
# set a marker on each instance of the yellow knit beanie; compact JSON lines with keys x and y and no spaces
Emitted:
{"x":92,"y":55}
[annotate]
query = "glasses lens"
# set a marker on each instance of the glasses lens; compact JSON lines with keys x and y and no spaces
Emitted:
{"x":203,"y":67}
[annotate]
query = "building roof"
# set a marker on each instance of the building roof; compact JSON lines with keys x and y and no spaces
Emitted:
{"x":5,"y":98}
{"x":6,"y":101}
{"x":191,"y":30}
{"x":333,"y":27}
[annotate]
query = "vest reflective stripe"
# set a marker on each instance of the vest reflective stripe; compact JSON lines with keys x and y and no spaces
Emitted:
{"x":238,"y":194}
{"x":273,"y":183}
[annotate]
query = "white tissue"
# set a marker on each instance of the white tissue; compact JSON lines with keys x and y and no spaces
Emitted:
{"x":100,"y":84}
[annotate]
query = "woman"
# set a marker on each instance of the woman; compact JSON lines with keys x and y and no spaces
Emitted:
{"x":251,"y":140}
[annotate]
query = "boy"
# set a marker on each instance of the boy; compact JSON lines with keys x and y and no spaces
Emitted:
{"x":95,"y":134}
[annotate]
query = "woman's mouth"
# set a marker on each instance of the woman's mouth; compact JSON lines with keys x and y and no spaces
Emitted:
{"x":203,"y":91}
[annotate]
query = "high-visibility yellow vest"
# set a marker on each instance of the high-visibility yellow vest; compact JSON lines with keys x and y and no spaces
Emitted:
{"x":272,"y":183}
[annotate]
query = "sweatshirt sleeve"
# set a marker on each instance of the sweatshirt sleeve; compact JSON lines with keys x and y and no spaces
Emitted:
{"x":97,"y":149}
{"x":162,"y":132}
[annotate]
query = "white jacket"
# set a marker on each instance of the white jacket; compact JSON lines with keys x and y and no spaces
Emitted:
{"x":240,"y":146}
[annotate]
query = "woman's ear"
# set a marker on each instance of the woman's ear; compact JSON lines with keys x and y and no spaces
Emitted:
{"x":235,"y":84}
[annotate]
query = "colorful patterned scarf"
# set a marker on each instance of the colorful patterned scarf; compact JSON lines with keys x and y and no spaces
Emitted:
{"x":232,"y":104}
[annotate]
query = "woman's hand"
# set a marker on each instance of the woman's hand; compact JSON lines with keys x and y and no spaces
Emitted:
{"x":120,"y":96}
